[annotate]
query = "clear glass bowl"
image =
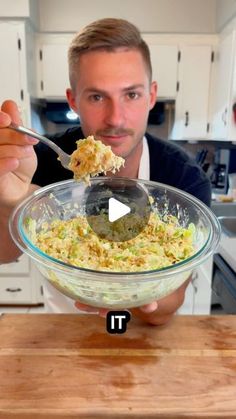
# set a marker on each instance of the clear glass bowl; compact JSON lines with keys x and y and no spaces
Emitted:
{"x":107,"y":289}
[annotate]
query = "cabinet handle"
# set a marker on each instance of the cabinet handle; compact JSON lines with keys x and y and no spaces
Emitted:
{"x":194,"y":279}
{"x":13,"y":289}
{"x":186,"y":119}
{"x":224,"y":116}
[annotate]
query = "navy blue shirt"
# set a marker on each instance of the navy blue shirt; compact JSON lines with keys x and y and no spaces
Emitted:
{"x":169,"y":164}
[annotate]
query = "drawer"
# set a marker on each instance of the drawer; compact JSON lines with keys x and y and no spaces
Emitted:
{"x":15,"y":290}
{"x":20,"y":266}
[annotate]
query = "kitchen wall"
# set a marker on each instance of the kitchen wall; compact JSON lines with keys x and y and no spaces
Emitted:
{"x":11,"y":8}
{"x":170,"y":16}
{"x":225,"y":11}
{"x":21,"y":9}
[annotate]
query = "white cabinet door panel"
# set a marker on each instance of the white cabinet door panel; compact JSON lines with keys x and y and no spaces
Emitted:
{"x":55,"y":70}
{"x":193,"y":97}
{"x":20,"y":266}
{"x":10,"y":81}
{"x":164,"y":60}
{"x":198,"y":293}
{"x":202,"y":287}
{"x":15,"y":290}
{"x":187,"y":306}
{"x":223,"y":88}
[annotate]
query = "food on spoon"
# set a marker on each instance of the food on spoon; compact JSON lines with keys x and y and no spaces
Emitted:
{"x":91,"y":158}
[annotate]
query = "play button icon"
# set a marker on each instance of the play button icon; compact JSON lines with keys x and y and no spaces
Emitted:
{"x":117,"y":209}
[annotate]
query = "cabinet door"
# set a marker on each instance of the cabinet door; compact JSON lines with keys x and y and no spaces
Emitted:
{"x":54,"y":71}
{"x":21,"y":266}
{"x":20,"y":283}
{"x":224,"y":68}
{"x":198,"y":292}
{"x":10,"y":72}
{"x":54,"y":56}
{"x":192,"y":101}
{"x":202,"y":287}
{"x":187,"y":307}
{"x":13,"y":73}
{"x":164,"y":60}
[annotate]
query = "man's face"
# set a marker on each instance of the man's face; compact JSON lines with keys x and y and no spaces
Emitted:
{"x":113,"y":96}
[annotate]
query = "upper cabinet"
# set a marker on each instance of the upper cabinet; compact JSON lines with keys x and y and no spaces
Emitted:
{"x":52,"y":59}
{"x":52,"y":78}
{"x":192,"y":101}
{"x":164,"y":59}
{"x":224,"y":94}
{"x":13,"y":70}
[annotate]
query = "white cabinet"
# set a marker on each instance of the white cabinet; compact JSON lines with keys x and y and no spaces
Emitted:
{"x":198,"y":293}
{"x":192,"y":102}
{"x":20,"y":266}
{"x":13,"y":73}
{"x":52,"y":66}
{"x":52,"y":60}
{"x":164,"y":60}
{"x":15,"y":290}
{"x":223,"y":125}
{"x":202,"y":288}
{"x":20,"y":283}
{"x":187,"y":307}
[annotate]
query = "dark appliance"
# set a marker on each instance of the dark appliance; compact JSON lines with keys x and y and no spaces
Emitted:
{"x":219,"y":171}
{"x":219,"y":176}
{"x":223,"y":285}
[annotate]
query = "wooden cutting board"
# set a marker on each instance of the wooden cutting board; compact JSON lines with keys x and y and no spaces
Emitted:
{"x":68,"y":366}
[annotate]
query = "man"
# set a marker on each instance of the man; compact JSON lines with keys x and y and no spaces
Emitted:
{"x":112,"y":92}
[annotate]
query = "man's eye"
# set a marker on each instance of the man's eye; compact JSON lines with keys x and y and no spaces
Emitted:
{"x":95,"y":98}
{"x":133,"y":95}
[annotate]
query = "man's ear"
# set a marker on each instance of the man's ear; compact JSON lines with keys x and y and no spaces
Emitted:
{"x":71,"y":100}
{"x":153,"y":94}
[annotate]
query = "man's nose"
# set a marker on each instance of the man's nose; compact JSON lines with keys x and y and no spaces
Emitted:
{"x":115,"y":113}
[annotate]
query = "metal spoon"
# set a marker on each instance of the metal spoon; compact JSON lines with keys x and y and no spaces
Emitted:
{"x":63,"y":157}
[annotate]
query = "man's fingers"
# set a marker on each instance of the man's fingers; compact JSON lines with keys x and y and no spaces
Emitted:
{"x":149,"y":308}
{"x":10,"y":107}
{"x":5,"y":120}
{"x":103,"y":312}
{"x":16,"y":152}
{"x":89,"y":309}
{"x":85,"y":307}
{"x":10,"y":112}
{"x":8,"y":165}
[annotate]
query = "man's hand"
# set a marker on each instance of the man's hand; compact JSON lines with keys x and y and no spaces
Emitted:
{"x":17,"y":158}
{"x":166,"y":307}
{"x":17,"y":165}
{"x":156,"y":313}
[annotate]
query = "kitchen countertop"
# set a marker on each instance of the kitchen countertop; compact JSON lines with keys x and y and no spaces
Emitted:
{"x":68,"y":366}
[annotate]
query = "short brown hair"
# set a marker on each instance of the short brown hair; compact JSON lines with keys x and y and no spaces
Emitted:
{"x":107,"y":34}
